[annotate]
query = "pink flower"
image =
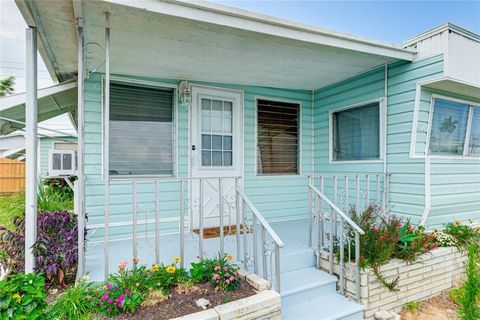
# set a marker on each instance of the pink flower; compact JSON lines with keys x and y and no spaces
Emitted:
{"x":108,"y":309}
{"x":226,"y":274}
{"x":225,"y":268}
{"x":232,"y":278}
{"x":105,"y":296}
{"x":130,"y":295}
{"x":110,"y":301}
{"x":216,"y":268}
{"x":136,"y":260}
{"x":122,"y":265}
{"x":119,"y":305}
{"x":227,"y":281}
{"x":127,"y":291}
{"x":216,"y":276}
{"x":109,"y":286}
{"x":100,"y":304}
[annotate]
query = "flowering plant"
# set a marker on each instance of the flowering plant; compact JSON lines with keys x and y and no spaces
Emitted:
{"x":225,"y":274}
{"x":464,"y":234}
{"x":165,"y":277}
{"x":115,"y":300}
{"x":135,"y":279}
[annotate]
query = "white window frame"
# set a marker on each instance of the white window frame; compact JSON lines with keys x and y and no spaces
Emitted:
{"x":300,"y":139}
{"x":382,"y":131}
{"x":471,"y":106}
{"x":54,"y":172}
{"x":106,"y":117}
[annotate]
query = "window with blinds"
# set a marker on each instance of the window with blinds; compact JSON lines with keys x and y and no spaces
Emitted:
{"x":141,"y":130}
{"x":277,"y":137}
{"x":356,"y":133}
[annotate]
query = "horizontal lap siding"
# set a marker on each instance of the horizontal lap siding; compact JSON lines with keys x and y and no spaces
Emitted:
{"x":362,"y":88}
{"x":279,"y":197}
{"x":407,"y":190}
{"x":455,"y":185}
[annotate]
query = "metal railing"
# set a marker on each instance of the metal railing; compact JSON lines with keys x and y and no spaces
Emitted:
{"x":250,"y":226}
{"x":331,"y":199}
{"x":188,"y":208}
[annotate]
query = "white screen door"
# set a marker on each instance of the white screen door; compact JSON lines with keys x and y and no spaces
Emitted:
{"x":216,"y":151}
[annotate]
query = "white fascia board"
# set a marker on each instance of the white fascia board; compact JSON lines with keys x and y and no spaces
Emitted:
{"x":241,"y":19}
{"x":18,"y":99}
{"x":444,"y":27}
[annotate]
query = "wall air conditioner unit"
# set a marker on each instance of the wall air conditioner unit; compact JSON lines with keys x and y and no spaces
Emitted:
{"x":62,"y":163}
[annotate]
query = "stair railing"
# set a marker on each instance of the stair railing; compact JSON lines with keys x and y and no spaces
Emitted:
{"x":251,"y":225}
{"x":336,"y":230}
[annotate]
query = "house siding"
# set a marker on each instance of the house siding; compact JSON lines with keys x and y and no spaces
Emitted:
{"x":407,"y":182}
{"x":454,"y":183}
{"x":277,"y":197}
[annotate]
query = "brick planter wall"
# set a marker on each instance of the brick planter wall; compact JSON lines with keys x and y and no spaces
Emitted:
{"x":432,"y":274}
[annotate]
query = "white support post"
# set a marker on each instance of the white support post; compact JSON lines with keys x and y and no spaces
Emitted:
{"x":81,"y":154}
{"x":31,"y":150}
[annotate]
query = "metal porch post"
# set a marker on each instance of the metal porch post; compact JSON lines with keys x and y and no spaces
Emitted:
{"x":31,"y":149}
{"x":81,"y":154}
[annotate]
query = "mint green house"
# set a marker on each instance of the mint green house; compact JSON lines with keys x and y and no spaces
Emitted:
{"x":198,"y":116}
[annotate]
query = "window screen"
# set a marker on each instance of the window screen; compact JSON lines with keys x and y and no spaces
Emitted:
{"x":141,"y":130}
{"x":277,"y":137}
{"x":356,"y":133}
{"x":449,"y":127}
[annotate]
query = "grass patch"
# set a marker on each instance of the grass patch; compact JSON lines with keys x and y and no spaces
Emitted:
{"x":11,"y":206}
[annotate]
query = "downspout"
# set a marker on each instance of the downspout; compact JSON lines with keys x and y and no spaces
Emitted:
{"x":313,"y":131}
{"x":386,"y":180}
{"x":426,"y":210}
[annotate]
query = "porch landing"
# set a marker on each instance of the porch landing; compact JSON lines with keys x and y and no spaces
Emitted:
{"x":307,"y":293}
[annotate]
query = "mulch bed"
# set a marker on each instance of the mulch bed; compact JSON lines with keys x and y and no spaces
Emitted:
{"x":183,"y":304}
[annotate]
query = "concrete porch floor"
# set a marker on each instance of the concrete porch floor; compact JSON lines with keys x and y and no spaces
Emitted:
{"x":292,"y":232}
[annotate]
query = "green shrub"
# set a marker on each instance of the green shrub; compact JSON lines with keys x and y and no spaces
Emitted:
{"x":470,"y":297}
{"x":413,"y":305}
{"x":11,"y":206}
{"x":22,"y":296}
{"x":164,"y":278}
{"x":75,"y":303}
{"x":51,"y":199}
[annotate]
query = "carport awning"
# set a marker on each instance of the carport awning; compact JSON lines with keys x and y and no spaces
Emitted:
{"x":52,"y":101}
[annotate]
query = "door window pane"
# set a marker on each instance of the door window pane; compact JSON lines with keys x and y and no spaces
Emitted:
{"x":277,"y":137}
{"x":474,"y":143}
{"x":356,"y":133}
{"x":141,"y":130}
{"x":449,"y":126}
{"x":217,"y":133}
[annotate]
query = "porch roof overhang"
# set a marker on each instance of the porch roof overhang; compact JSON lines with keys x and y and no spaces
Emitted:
{"x":201,"y":41}
{"x":52,"y":101}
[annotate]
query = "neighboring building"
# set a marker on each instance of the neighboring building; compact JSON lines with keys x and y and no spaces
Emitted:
{"x":270,"y":107}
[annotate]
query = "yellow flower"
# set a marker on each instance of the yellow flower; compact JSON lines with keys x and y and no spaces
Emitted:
{"x":177,"y":259}
{"x":457,"y":222}
{"x":154,"y":268}
{"x":229,"y":258}
{"x":171,"y":269}
{"x":17,"y":297}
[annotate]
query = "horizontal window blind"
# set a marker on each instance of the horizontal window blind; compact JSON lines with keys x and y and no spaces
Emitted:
{"x":277,"y":137}
{"x":141,"y":130}
{"x":356,"y":133}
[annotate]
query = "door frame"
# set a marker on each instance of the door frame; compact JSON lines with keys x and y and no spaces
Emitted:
{"x":241,"y":140}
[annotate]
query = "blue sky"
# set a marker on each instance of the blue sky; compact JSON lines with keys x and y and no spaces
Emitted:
{"x":391,"y":21}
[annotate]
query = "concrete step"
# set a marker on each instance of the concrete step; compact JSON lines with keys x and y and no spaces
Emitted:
{"x":305,"y":284}
{"x":331,"y":306}
{"x":297,"y":260}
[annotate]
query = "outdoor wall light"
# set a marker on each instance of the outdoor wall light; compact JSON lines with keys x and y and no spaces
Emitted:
{"x":185,"y":93}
